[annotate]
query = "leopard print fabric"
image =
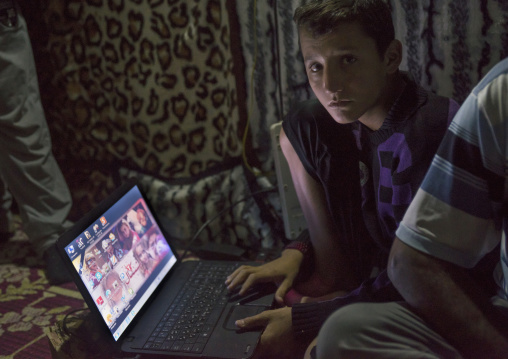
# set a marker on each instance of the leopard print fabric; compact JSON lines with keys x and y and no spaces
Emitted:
{"x":147,"y":89}
{"x":148,"y":84}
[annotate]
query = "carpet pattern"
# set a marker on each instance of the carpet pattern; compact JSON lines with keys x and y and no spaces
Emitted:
{"x":29,"y":305}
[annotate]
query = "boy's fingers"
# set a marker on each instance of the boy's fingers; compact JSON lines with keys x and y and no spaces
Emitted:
{"x":282,"y":290}
{"x":238,"y":278}
{"x":249,"y":282}
{"x":235,"y":274}
{"x":254,"y":321}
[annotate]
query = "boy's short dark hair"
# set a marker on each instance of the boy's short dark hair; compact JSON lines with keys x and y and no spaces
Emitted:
{"x":321,"y":17}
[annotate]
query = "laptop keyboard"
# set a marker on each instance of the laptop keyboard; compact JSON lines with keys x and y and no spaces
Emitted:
{"x":190,"y":320}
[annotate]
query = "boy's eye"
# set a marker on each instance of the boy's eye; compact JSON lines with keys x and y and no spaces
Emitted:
{"x":348,"y":60}
{"x":315,"y":67}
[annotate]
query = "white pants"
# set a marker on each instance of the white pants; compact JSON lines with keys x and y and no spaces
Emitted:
{"x":27,"y":166}
{"x":383,"y":330}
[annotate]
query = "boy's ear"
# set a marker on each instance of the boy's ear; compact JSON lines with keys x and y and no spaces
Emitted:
{"x":393,"y":56}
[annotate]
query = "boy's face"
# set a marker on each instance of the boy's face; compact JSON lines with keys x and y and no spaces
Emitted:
{"x":126,"y":231}
{"x":141,"y":218}
{"x":92,"y":264}
{"x":142,"y":255}
{"x":347,"y":74}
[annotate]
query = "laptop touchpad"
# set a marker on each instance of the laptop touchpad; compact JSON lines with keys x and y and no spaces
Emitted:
{"x":240,"y":312}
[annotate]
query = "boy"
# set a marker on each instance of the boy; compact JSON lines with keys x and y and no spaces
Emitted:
{"x":357,"y":155}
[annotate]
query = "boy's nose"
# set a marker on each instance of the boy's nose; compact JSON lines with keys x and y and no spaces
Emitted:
{"x":332,"y":79}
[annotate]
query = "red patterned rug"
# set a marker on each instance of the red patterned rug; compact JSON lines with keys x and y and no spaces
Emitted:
{"x":29,"y":305}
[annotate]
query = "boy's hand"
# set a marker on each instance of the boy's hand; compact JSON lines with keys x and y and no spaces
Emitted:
{"x":277,"y":340}
{"x":281,"y":271}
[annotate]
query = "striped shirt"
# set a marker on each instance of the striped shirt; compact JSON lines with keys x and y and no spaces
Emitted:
{"x":457,"y":214}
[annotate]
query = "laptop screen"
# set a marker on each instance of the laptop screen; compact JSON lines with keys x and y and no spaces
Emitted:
{"x":121,"y":259}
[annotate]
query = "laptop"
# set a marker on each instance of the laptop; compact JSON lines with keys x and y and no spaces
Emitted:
{"x":153,"y":303}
